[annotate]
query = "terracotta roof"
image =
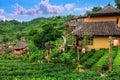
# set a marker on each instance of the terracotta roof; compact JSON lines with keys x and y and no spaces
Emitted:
{"x":20,"y":45}
{"x":98,"y":28}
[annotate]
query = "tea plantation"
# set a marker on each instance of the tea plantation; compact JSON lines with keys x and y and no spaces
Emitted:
{"x":18,"y":70}
{"x":95,"y":65}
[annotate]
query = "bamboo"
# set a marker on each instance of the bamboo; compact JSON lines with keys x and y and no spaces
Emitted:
{"x":110,"y":53}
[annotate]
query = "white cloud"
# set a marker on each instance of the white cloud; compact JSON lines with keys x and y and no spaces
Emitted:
{"x":43,"y":8}
{"x":19,"y":10}
{"x":69,"y":6}
{"x":2,"y":17}
{"x":83,"y":9}
{"x":46,"y":8}
{"x":1,"y":11}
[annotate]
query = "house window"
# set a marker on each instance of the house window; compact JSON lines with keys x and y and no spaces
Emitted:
{"x":90,"y":41}
{"x":86,"y":41}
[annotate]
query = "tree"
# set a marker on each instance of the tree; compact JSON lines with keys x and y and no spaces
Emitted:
{"x":49,"y":33}
{"x":117,"y":2}
{"x":95,"y":9}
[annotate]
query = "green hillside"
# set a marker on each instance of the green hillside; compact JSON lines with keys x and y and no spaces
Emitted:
{"x":50,"y":28}
{"x":35,"y":66}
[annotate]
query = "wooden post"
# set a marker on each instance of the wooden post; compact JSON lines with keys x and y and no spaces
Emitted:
{"x":78,"y":55}
{"x":47,"y":55}
{"x":76,"y":43}
{"x":110,"y":53}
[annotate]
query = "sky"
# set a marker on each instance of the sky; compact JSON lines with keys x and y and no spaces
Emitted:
{"x":26,"y":10}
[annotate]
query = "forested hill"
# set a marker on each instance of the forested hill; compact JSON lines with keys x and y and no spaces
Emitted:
{"x":38,"y":30}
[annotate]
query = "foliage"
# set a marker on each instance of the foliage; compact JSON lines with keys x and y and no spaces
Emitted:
{"x":86,"y":40}
{"x":37,"y":57}
{"x":94,"y":58}
{"x":94,"y":10}
{"x":19,"y":70}
{"x":48,"y":34}
{"x":7,"y":56}
{"x":114,"y":75}
{"x":102,"y":60}
{"x":117,"y":2}
{"x":116,"y":61}
{"x":39,"y":31}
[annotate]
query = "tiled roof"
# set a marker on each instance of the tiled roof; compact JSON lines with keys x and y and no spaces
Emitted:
{"x":77,"y":23}
{"x":105,"y":11}
{"x":108,"y":9}
{"x":98,"y":28}
{"x":20,"y":45}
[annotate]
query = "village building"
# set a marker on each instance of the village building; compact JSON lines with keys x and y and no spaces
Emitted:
{"x":2,"y":45}
{"x":11,"y":44}
{"x":20,"y":48}
{"x":23,"y":38}
{"x":100,"y":25}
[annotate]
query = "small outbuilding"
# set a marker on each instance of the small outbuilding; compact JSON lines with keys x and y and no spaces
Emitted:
{"x":23,"y":38}
{"x":20,"y":48}
{"x":11,"y":44}
{"x":2,"y":45}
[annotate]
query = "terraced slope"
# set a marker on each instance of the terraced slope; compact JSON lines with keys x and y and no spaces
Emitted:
{"x":116,"y":61}
{"x":101,"y":61}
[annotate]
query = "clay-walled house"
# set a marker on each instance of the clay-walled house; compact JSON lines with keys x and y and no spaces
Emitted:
{"x":100,"y":25}
{"x":20,"y":48}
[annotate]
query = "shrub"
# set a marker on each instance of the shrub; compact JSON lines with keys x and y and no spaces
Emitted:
{"x":36,"y":57}
{"x":7,"y":56}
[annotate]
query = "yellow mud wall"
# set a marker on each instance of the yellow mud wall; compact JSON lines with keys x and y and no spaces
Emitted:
{"x":18,"y":52}
{"x":119,"y":21}
{"x":0,"y":48}
{"x":99,"y":42}
{"x":10,"y":46}
{"x":97,"y":19}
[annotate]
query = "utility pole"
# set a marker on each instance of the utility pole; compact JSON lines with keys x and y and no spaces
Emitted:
{"x":110,"y":53}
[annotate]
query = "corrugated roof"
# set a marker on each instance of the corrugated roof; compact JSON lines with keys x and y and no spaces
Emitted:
{"x":98,"y":28}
